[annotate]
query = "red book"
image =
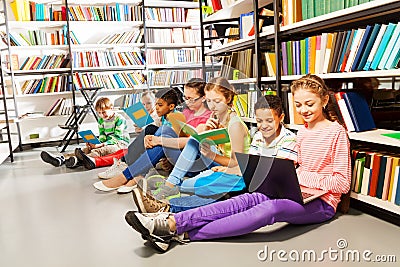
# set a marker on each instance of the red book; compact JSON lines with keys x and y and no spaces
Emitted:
{"x":373,"y":183}
{"x":216,"y":4}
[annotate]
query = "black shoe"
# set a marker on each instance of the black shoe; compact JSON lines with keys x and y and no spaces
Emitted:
{"x":56,"y":161}
{"x":86,"y":161}
{"x":72,"y":162}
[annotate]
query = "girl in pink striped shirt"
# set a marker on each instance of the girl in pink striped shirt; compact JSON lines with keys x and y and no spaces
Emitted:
{"x":324,"y":163}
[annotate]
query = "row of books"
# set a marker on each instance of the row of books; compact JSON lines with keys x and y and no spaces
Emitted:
{"x":174,"y":35}
{"x":106,"y":59}
{"x":108,"y":80}
{"x":62,"y":106}
{"x":49,"y":84}
{"x":130,"y":99}
{"x":240,"y":104}
{"x":173,"y":57}
{"x":238,"y":65}
{"x":53,"y":61}
{"x":372,"y":48}
{"x":166,"y":14}
{"x":127,"y":37}
{"x":297,"y":10}
{"x":25,"y":10}
{"x":36,"y":37}
{"x":115,"y":12}
{"x":167,"y":77}
{"x":376,"y":174}
{"x":355,"y":111}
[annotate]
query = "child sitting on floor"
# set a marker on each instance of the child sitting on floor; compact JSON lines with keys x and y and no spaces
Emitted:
{"x":271,"y":139}
{"x":113,"y":136}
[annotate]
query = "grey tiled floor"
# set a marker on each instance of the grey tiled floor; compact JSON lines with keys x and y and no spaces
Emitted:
{"x":54,"y":217}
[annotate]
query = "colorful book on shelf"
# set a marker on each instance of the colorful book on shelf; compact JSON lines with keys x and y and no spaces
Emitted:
{"x":139,"y":114}
{"x":396,"y":188}
{"x":389,"y":49}
{"x":246,"y":23}
{"x":381,"y":176}
{"x":361,"y":47}
{"x":373,"y":183}
{"x":382,"y":46}
{"x":89,"y":137}
{"x":374,"y":48}
{"x":367,"y":173}
{"x":344,"y":111}
{"x":359,"y":111}
{"x":393,"y":59}
{"x":215,"y":136}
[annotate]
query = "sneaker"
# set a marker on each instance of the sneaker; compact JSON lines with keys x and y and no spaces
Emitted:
{"x":155,"y":181}
{"x":55,"y":160}
{"x":72,"y":162}
{"x":117,"y":168}
{"x":148,"y":204}
{"x":125,"y":189}
{"x":153,"y":228}
{"x":87,"y":162}
{"x":166,"y":192}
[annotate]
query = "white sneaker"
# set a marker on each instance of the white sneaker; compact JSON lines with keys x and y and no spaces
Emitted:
{"x":117,"y":168}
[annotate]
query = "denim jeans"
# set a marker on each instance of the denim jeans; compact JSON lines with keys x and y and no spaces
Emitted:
{"x":190,"y":160}
{"x":151,"y":156}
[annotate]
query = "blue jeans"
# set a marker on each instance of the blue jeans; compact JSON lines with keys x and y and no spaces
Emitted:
{"x":153,"y":155}
{"x":190,"y":160}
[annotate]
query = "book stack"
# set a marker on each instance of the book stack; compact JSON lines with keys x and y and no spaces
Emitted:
{"x":161,"y":14}
{"x":109,"y":12}
{"x":106,"y":59}
{"x":175,"y":35}
{"x":173,"y":57}
{"x":25,"y":10}
{"x":376,"y":47}
{"x":108,"y":80}
{"x":37,"y":37}
{"x":355,"y":111}
{"x":376,"y":174}
{"x":53,"y":61}
{"x":242,"y":61}
{"x":129,"y":37}
{"x":167,"y":77}
{"x":49,"y":84}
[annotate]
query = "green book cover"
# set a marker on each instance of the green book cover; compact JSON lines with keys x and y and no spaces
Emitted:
{"x":304,"y":9}
{"x":303,"y":53}
{"x":360,"y":173}
{"x":289,"y":57}
{"x":214,"y":136}
{"x":393,"y":135}
{"x":311,"y":8}
{"x":328,"y":6}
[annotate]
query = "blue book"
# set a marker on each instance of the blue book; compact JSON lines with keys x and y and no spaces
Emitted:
{"x":381,"y":176}
{"x":382,"y":46}
{"x":389,"y":48}
{"x":392,"y":62}
{"x":139,"y":114}
{"x":397,"y":198}
{"x":361,"y":47}
{"x":89,"y":137}
{"x":368,"y":48}
{"x":246,"y":23}
{"x":359,"y":111}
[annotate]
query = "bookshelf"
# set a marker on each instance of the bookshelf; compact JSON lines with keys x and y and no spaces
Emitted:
{"x":172,"y":42}
{"x":271,"y":38}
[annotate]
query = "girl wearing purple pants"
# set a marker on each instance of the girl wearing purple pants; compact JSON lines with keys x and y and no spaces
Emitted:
{"x":324,"y":163}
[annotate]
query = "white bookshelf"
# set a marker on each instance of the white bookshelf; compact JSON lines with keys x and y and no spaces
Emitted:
{"x":383,"y":204}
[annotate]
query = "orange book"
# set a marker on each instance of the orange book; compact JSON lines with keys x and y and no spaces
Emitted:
{"x":373,"y":183}
{"x":312,"y":53}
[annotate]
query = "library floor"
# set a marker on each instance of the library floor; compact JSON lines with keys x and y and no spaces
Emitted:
{"x":54,"y":217}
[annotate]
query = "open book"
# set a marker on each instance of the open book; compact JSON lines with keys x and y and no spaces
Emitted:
{"x":215,"y":136}
{"x":89,"y":137}
{"x":139,"y":114}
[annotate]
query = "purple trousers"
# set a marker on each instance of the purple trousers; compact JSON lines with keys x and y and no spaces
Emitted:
{"x":248,"y":212}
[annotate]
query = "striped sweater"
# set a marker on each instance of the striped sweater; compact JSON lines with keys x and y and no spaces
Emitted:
{"x":113,"y":131}
{"x":324,"y":161}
